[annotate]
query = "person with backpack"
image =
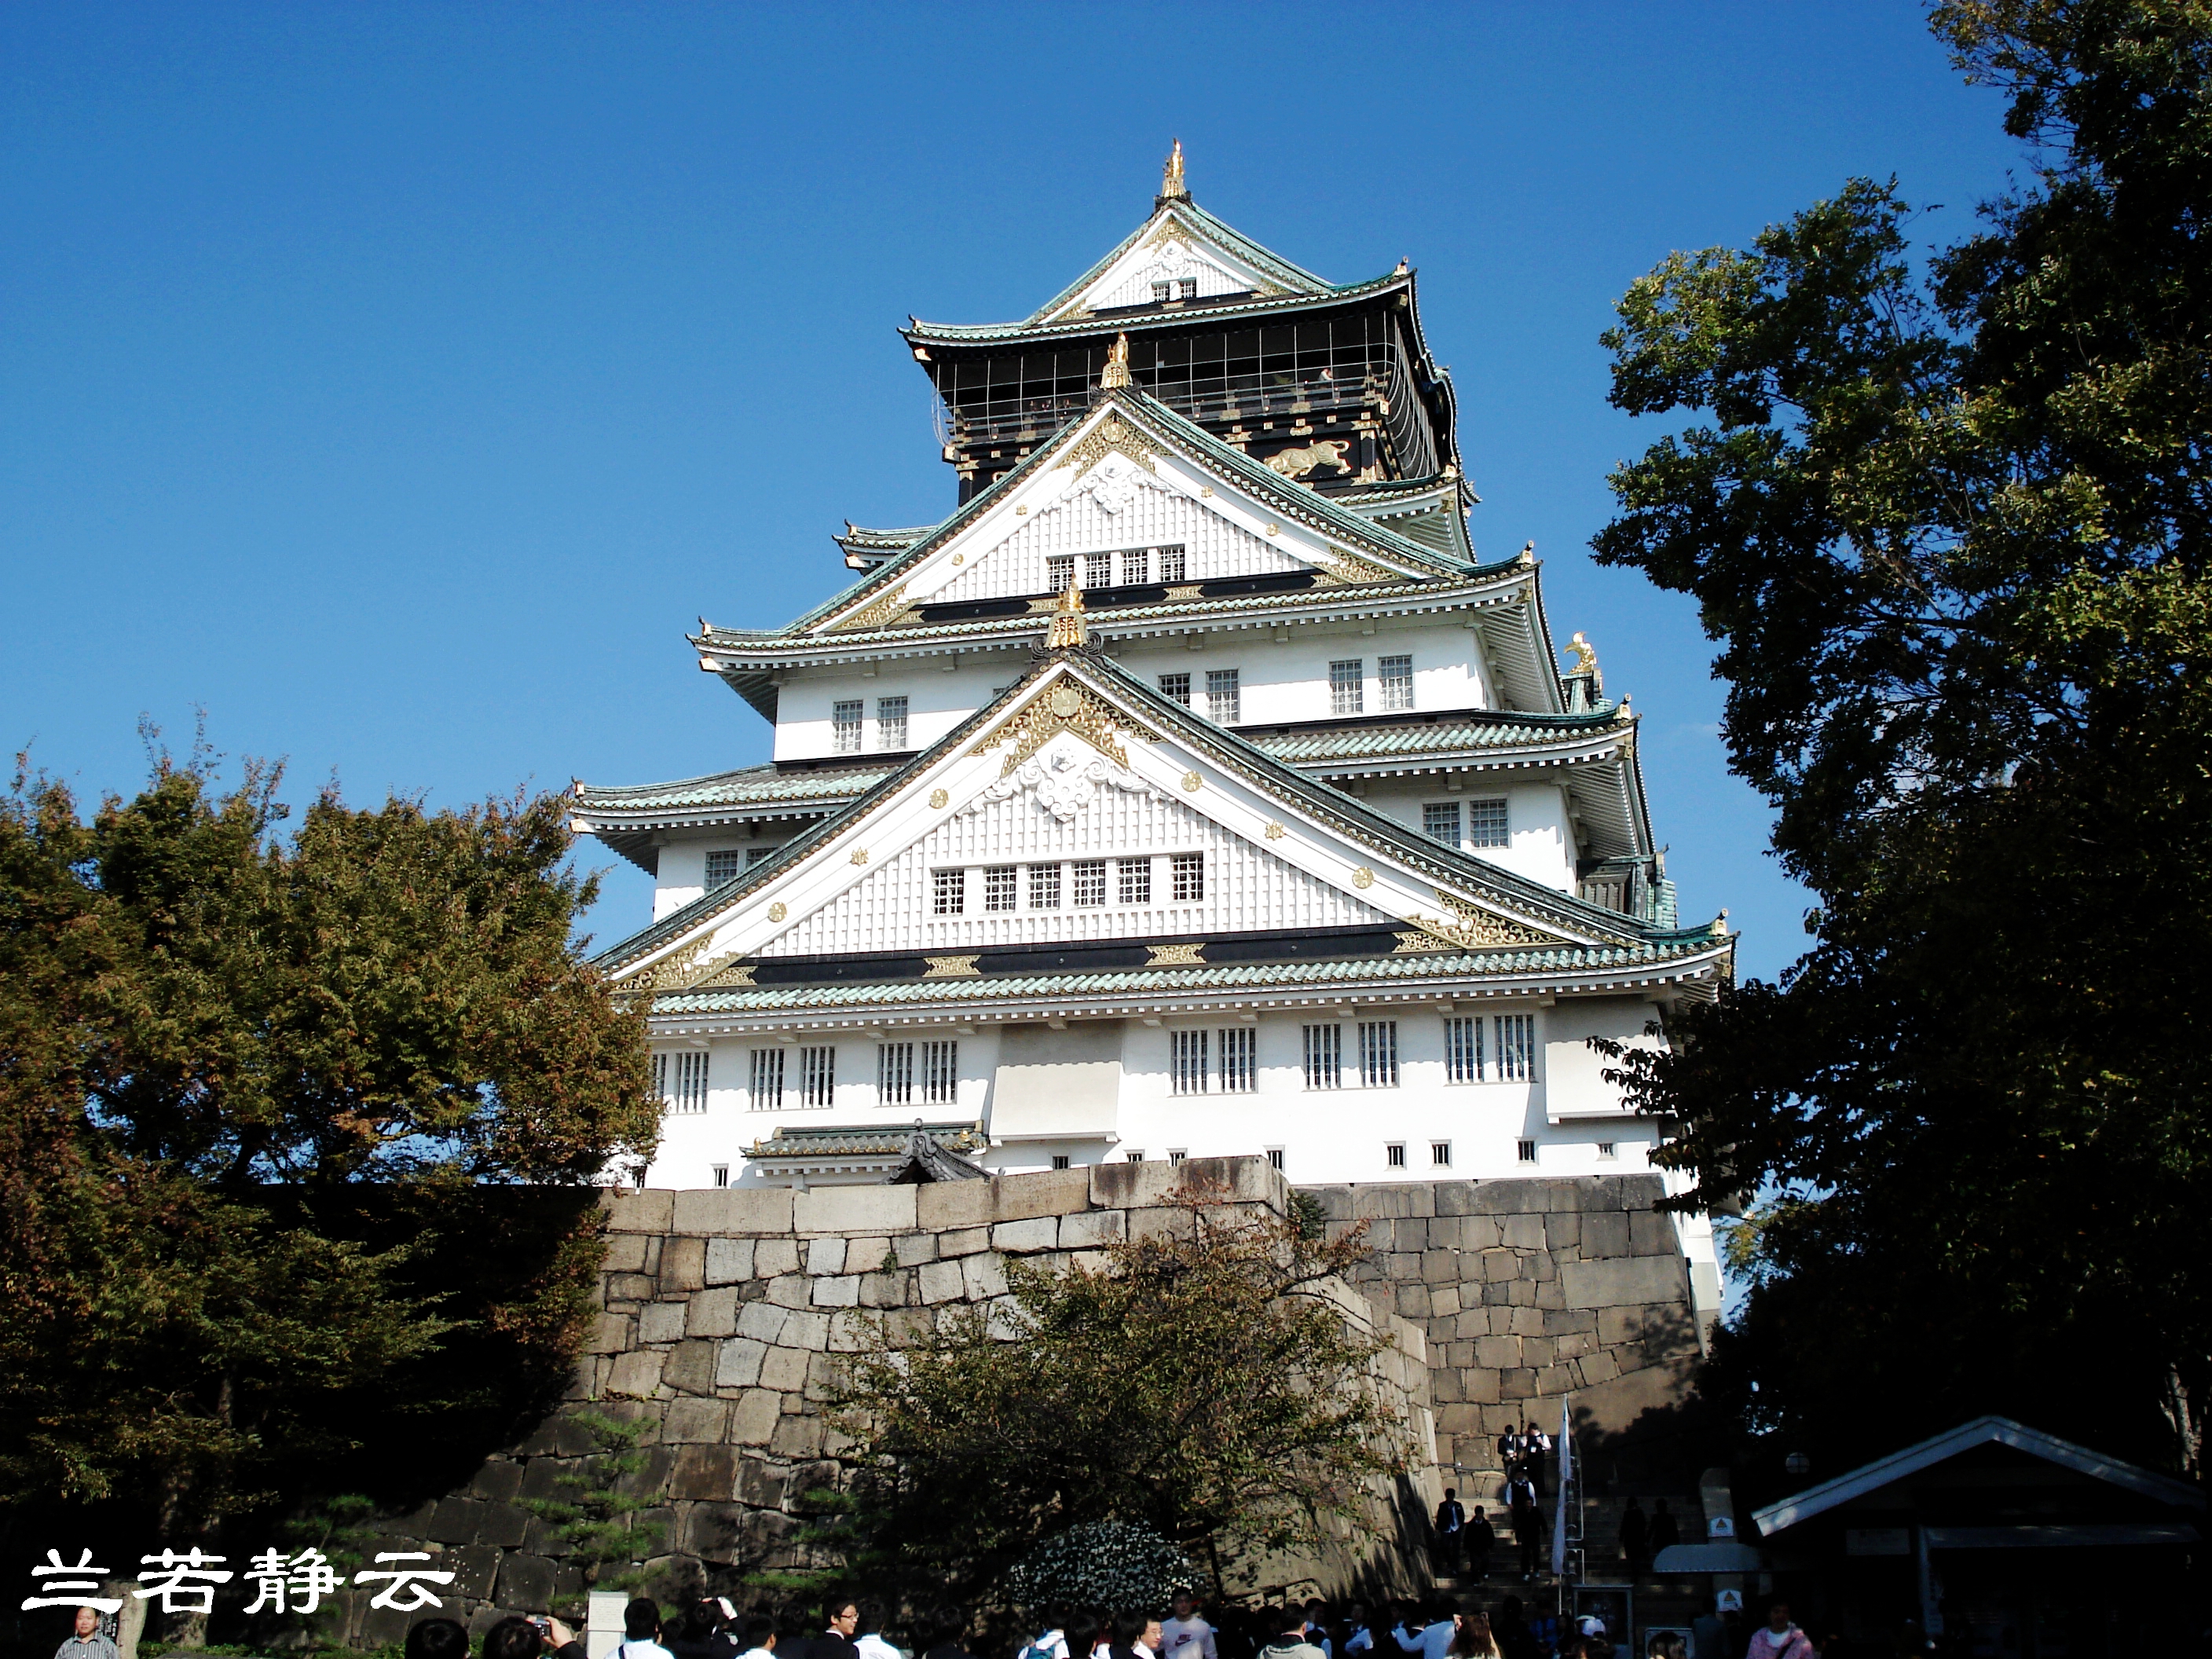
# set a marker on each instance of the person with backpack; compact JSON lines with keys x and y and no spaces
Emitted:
{"x":1051,"y":1643}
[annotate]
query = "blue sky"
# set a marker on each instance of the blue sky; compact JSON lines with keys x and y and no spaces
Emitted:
{"x":399,"y":382}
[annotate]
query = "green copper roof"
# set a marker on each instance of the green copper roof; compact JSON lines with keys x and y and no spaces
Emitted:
{"x":747,"y":786}
{"x":1037,"y":987}
{"x":1138,"y":322}
{"x":1446,"y":734}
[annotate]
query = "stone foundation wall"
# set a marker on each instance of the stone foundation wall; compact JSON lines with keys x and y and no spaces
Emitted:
{"x":1528,"y":1290}
{"x":720,"y":1327}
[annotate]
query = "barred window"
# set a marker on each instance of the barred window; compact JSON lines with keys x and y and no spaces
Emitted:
{"x":1044,"y":887}
{"x":724,"y":866}
{"x":1393,"y":684}
{"x":1275,"y":1156}
{"x":1393,"y":1154}
{"x":1440,"y":821}
{"x":1136,"y":567}
{"x":1176,"y":686}
{"x":949,"y":892}
{"x":1487,"y":823}
{"x":1517,"y":1048}
{"x":1091,"y":881}
{"x":999,"y":888}
{"x":1608,"y":1149}
{"x":1526,"y":1150}
{"x":1162,"y":292}
{"x":893,"y":1073}
{"x":845,"y":720}
{"x":760,"y":855}
{"x":1240,"y":1061}
{"x":1136,"y":884}
{"x":1463,"y":1050}
{"x":1224,"y":702}
{"x":1324,"y":1056}
{"x":1177,"y":1154}
{"x":1059,"y":571}
{"x":1440,"y":1154}
{"x":1171,"y":563}
{"x":767,"y":1079}
{"x":1133,"y":1158}
{"x":1346,"y":695}
{"x":891,"y":723}
{"x":1378,"y":1054}
{"x":722,"y":1174}
{"x":1186,"y":874}
{"x":1186,"y":1062}
{"x":683,"y":1086}
{"x":940,"y":1073}
{"x":817,"y":1077}
{"x":1098,"y":570}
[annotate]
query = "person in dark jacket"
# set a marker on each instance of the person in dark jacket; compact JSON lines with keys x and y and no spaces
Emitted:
{"x":1481,"y":1539}
{"x":1635,"y":1537}
{"x":1451,"y":1522}
{"x":841,"y":1617}
{"x":1665,"y":1532}
{"x":948,"y":1626}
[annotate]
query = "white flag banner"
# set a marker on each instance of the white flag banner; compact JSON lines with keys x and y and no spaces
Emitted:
{"x":1565,"y":1476}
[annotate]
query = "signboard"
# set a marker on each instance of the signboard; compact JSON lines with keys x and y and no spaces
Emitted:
{"x":1721,"y":1525}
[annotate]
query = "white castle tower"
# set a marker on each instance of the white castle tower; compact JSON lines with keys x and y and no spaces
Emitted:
{"x":1195,"y":788}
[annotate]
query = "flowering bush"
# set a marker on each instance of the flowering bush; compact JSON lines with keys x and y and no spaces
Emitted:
{"x":1117,"y":1565}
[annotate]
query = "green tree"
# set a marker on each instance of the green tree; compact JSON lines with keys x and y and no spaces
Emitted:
{"x":248,"y":1086}
{"x":1948,"y":519}
{"x":1206,"y":1383}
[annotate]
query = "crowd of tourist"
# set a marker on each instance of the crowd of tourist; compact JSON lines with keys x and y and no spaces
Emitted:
{"x":1437,"y":1627}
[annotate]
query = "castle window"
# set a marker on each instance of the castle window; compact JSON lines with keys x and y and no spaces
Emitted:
{"x":1487,"y":824}
{"x":1275,"y":1156}
{"x":1059,"y":572}
{"x":682,"y":1087}
{"x":1526,"y":1150}
{"x":1240,"y":1061}
{"x":893,"y":1073}
{"x":1517,"y":1048}
{"x":1177,"y":1154}
{"x":1133,"y":1158}
{"x":1187,"y":873}
{"x":1136,"y":884}
{"x":1393,"y":684}
{"x":845,"y":727}
{"x":767,"y":1079}
{"x":1378,"y":1054}
{"x":1393,"y":1154}
{"x":1186,"y":287}
{"x":891,"y":724}
{"x":1440,"y":821}
{"x":1098,"y":570}
{"x":1324,"y":1056}
{"x":1090,"y":882}
{"x":817,"y":1077}
{"x":1176,"y":686}
{"x":1224,"y":703}
{"x":1188,"y":1072}
{"x":724,"y":866}
{"x":1440,"y":1154}
{"x":722,"y":1174}
{"x":999,"y":887}
{"x":1463,"y":1050}
{"x":1136,"y":567}
{"x":1161,"y":291}
{"x":1171,"y":563}
{"x":940,"y":1073}
{"x":1060,"y":1160}
{"x":760,"y":855}
{"x":1606,"y":1149}
{"x":950,"y":893}
{"x":1345,"y":686}
{"x":1044,"y":887}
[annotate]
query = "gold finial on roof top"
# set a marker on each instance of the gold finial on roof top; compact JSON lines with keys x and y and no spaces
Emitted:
{"x":1172,"y":188}
{"x":1068,"y":627}
{"x":1116,"y":372}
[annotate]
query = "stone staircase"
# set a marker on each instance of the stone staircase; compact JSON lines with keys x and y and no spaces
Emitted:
{"x":1671,"y":1600}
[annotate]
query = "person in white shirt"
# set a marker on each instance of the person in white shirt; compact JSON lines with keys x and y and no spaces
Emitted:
{"x":1053,"y":1644}
{"x":1443,"y":1624}
{"x":759,"y":1636}
{"x":641,"y":1631}
{"x":1186,"y":1636}
{"x":870,"y":1641}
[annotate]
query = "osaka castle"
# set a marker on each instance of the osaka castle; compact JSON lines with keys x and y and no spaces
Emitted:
{"x":1196,"y":788}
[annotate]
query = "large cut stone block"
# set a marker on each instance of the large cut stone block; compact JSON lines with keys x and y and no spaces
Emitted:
{"x":739,"y":1366}
{"x":1042,"y":1233}
{"x":772,"y":1256}
{"x":943,"y":1205}
{"x":985,"y":1276}
{"x":843,"y":1291}
{"x":610,"y":1333}
{"x":941,"y":1281}
{"x":647,"y":1212}
{"x":683,"y":1264}
{"x":1524,"y":1232}
{"x":962,"y":1241}
{"x":714,"y":1313}
{"x":525,"y":1585}
{"x":1605,"y":1233}
{"x":691,"y":1367}
{"x":1088,"y":1229}
{"x":1651,"y":1234}
{"x":707,"y":1421}
{"x":704,"y":1474}
{"x":791,"y":1290}
{"x":912,"y":1249}
{"x":850,"y":1210}
{"x":825,"y":1255}
{"x":661,"y":1321}
{"x":754,"y":1417}
{"x":637,"y":1372}
{"x":1042,"y":1193}
{"x":1623,"y":1281}
{"x":784,"y":1371}
{"x":729,"y":1261}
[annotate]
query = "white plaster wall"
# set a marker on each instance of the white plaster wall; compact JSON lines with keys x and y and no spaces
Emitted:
{"x":1326,"y":1135}
{"x":1277,"y":683}
{"x":683,"y":868}
{"x":1540,"y":846}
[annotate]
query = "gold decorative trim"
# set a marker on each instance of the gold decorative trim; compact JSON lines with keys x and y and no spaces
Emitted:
{"x":1421,"y":942}
{"x":1187,"y":590}
{"x":1176,"y":956}
{"x":1363,"y":877}
{"x":1274,"y":830}
{"x":778,"y":911}
{"x":951,"y":968}
{"x":859,"y":855}
{"x":1112,"y":435}
{"x":879,"y":612}
{"x":1473,"y":929}
{"x":737,"y":976}
{"x":1192,"y":783}
{"x":937,"y":797}
{"x":1070,"y":706}
{"x":1352,"y":568}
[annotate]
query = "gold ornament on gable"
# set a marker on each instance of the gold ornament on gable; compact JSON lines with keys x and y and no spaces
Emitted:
{"x":1069,"y":706}
{"x":1471,"y":929}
